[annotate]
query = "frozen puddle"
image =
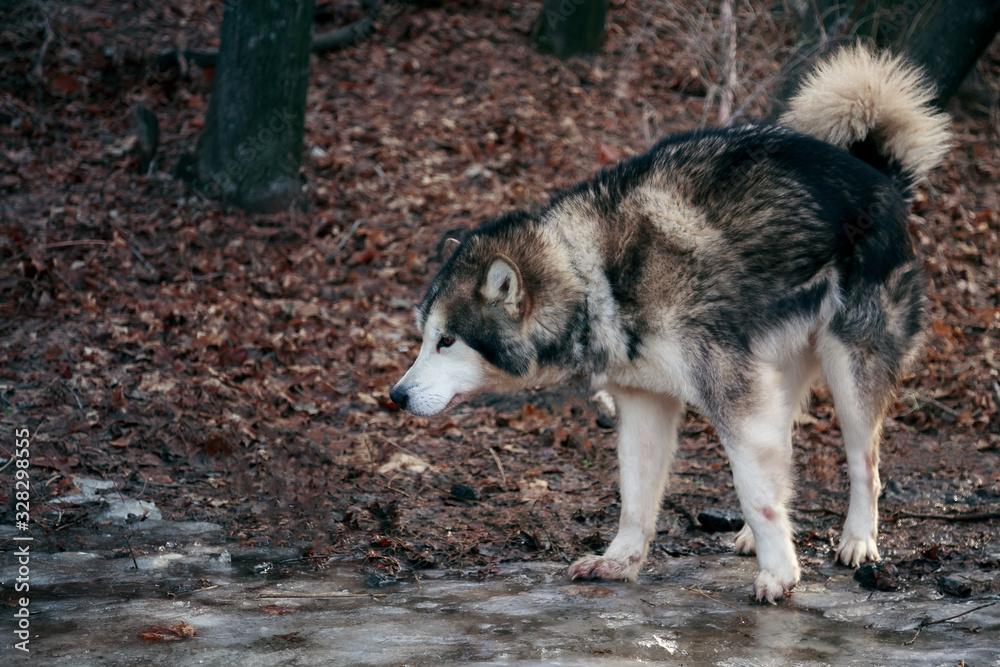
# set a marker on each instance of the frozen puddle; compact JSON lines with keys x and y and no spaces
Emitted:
{"x":88,"y":607}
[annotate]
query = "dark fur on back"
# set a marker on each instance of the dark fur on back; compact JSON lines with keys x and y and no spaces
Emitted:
{"x":791,"y":219}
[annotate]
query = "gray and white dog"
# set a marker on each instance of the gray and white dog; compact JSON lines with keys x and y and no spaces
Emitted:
{"x":727,"y":270}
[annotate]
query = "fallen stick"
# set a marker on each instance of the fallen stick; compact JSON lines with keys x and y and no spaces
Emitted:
{"x":322,"y":595}
{"x":924,"y":623}
{"x":700,"y":592}
{"x":496,"y":459}
{"x":982,"y":516}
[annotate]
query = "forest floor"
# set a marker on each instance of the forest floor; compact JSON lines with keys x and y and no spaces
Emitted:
{"x":235,"y":368}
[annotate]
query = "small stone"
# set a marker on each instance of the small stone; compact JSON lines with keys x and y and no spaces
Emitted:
{"x":717,"y":520}
{"x":880,"y":576}
{"x":464,"y":492}
{"x":965,"y":584}
{"x":378,"y":580}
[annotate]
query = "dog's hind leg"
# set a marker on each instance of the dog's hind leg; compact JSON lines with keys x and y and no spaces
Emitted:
{"x":647,"y":443}
{"x":757,"y":438}
{"x":861,"y":391}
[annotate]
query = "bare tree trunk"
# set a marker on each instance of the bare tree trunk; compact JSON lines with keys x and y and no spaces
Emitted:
{"x":567,"y":27}
{"x":728,"y":63}
{"x":945,"y":37}
{"x":251,"y":148}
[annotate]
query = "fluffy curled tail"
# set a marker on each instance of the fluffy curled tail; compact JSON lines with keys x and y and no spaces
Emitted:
{"x":877,"y":107}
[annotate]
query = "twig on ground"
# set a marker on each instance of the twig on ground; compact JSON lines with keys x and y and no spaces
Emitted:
{"x":939,"y":404}
{"x":496,"y":459}
{"x":145,"y":262}
{"x":67,"y":244}
{"x":344,"y":239}
{"x":924,"y":623}
{"x":700,"y":592}
{"x":73,"y":394}
{"x":70,"y":523}
{"x":397,"y":445}
{"x":131,"y":553}
{"x":979,"y":516}
{"x":322,"y":595}
{"x":300,"y":559}
{"x":817,"y":510}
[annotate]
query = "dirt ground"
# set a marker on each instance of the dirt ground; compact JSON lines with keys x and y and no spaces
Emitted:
{"x":235,"y":368}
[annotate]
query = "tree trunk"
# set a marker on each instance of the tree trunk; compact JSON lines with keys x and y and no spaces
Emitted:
{"x":251,"y":148}
{"x":567,"y":27}
{"x":945,"y":37}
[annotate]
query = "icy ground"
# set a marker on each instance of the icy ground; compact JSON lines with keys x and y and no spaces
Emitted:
{"x":89,"y":607}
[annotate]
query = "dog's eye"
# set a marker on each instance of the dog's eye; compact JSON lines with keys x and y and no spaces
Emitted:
{"x":445,"y":341}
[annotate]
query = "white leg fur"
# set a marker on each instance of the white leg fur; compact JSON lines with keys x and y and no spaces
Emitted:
{"x":647,"y":443}
{"x":860,"y":423}
{"x":760,"y":452}
{"x":797,"y":377}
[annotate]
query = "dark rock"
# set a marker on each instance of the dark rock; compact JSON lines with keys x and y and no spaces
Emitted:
{"x":716,"y":520}
{"x":965,"y":584}
{"x":880,"y":576}
{"x":464,"y":492}
{"x":379,"y":580}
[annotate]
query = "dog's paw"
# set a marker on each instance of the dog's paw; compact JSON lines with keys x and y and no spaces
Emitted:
{"x":854,"y":551}
{"x":601,"y":567}
{"x":770,"y":587}
{"x":744,"y":541}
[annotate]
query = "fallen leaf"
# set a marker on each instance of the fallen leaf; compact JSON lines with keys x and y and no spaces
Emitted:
{"x":276,"y":609}
{"x":158,"y":633}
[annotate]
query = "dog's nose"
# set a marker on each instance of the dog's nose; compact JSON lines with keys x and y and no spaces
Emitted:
{"x":399,"y":397}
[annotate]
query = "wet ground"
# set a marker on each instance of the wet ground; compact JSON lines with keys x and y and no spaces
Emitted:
{"x":248,"y":608}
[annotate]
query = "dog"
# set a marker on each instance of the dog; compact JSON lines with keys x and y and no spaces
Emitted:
{"x":726,"y":269}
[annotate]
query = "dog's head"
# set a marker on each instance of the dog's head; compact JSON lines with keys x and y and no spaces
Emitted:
{"x":488,"y":320}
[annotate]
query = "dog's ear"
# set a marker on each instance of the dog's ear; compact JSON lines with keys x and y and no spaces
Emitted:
{"x":503,"y":284}
{"x":448,"y":249}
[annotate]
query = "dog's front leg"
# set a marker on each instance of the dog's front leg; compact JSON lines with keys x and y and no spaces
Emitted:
{"x":647,"y":442}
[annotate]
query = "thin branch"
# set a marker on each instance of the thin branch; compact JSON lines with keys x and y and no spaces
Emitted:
{"x":982,"y":516}
{"x":924,"y":623}
{"x":496,"y":459}
{"x":343,"y":241}
{"x":322,"y":595}
{"x":700,"y":592}
{"x":727,"y":92}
